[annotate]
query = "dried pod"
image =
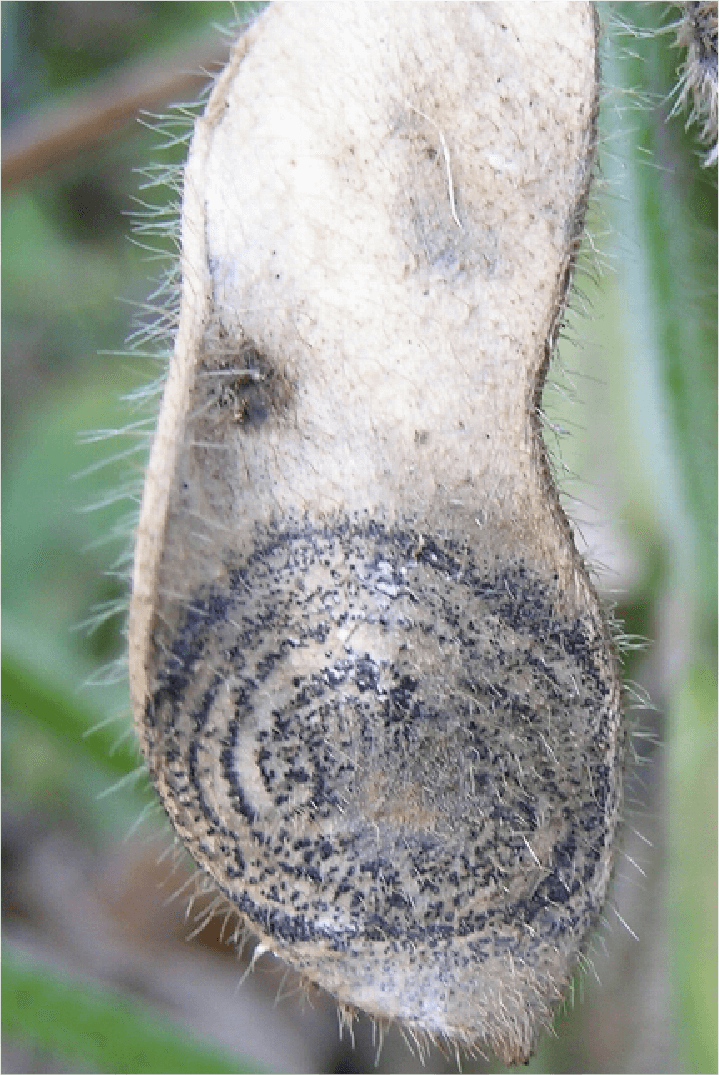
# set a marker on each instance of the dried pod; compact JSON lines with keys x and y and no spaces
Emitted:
{"x":373,"y":682}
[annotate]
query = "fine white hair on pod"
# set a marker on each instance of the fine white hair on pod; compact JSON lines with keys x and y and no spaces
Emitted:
{"x":372,"y":679}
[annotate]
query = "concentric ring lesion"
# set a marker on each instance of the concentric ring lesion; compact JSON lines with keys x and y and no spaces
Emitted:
{"x":396,"y":741}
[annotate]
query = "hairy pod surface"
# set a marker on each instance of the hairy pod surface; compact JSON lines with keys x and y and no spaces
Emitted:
{"x":373,"y":682}
{"x":697,"y":33}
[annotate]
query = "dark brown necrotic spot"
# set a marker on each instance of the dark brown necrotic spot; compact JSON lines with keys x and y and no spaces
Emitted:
{"x":259,"y":391}
{"x":399,"y":739}
{"x":239,"y":380}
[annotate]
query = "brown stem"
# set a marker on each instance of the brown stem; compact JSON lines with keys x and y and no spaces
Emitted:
{"x":34,"y":145}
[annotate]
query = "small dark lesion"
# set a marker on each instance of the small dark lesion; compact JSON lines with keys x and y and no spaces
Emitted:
{"x":248,"y":386}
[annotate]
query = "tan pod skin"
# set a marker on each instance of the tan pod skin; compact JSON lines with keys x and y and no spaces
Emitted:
{"x":372,"y":680}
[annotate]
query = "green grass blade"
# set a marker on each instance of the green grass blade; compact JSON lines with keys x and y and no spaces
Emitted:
{"x":668,"y":217}
{"x":55,"y":706}
{"x":693,"y":849}
{"x":100,"y":1028}
{"x":667,"y":214}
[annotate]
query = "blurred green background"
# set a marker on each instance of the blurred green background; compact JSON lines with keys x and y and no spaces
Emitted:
{"x":97,"y":972}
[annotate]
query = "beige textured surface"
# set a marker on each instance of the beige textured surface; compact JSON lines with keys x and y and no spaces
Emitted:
{"x":369,"y":671}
